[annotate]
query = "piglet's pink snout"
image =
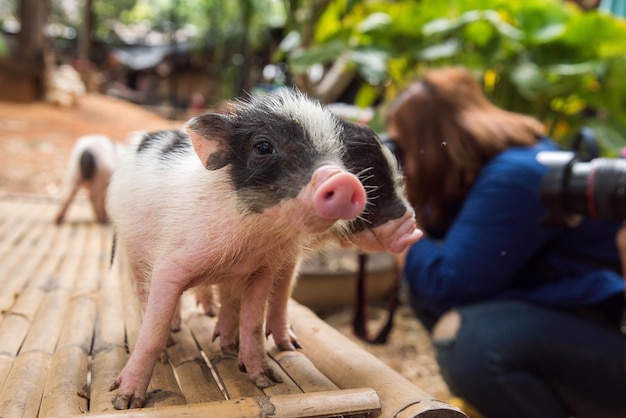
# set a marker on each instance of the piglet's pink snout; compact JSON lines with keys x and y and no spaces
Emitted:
{"x":338,"y":194}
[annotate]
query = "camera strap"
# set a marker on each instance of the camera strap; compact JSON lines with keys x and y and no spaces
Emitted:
{"x":359,"y":324}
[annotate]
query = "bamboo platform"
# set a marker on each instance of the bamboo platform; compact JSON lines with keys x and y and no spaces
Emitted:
{"x":68,"y":321}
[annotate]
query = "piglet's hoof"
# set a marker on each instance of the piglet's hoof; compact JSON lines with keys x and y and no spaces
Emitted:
{"x":289,"y":345}
{"x":265,"y":379}
{"x":126,"y":401}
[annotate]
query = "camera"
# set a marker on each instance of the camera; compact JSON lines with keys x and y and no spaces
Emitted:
{"x":575,"y":186}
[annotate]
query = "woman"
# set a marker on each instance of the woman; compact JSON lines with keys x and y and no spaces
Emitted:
{"x":524,"y":315}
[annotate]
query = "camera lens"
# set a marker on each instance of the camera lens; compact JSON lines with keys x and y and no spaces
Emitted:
{"x":596,"y":188}
{"x":606,"y":189}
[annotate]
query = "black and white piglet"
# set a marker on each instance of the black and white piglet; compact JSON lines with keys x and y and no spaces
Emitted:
{"x":235,"y":201}
{"x":91,"y":164}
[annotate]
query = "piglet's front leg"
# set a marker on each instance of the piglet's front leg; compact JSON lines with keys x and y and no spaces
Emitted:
{"x":134,"y":379}
{"x":277,"y":318}
{"x":252,"y":354}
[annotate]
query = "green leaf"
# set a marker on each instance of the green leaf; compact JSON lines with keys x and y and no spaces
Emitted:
{"x":445,"y":26}
{"x":302,"y":59}
{"x":583,"y":68}
{"x":528,"y":79}
{"x":366,"y":96}
{"x":375,"y":22}
{"x":611,"y":136}
{"x":371,"y":64}
{"x":480,"y":32}
{"x":445,"y":49}
{"x":441,"y":26}
{"x":290,"y":42}
{"x":548,"y":33}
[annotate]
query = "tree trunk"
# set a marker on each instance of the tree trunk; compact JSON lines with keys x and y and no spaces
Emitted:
{"x":21,"y":74}
{"x":242,"y":80}
{"x":84,"y":41}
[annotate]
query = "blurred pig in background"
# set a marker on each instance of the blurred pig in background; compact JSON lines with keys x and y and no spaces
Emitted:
{"x":236,"y":200}
{"x":91,"y":164}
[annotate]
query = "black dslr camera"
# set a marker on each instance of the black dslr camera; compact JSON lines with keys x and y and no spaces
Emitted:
{"x":577,"y":185}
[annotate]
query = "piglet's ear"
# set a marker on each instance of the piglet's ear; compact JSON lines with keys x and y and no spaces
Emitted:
{"x":208,"y":134}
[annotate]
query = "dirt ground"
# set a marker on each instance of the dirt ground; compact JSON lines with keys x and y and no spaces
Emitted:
{"x":36,"y":141}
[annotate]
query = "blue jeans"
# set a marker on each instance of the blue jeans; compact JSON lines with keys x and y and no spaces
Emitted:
{"x":512,"y":359}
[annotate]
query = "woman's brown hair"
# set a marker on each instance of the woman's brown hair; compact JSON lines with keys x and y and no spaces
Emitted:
{"x":448,"y":130}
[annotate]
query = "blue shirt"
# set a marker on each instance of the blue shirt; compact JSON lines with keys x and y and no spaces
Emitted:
{"x":497,"y":247}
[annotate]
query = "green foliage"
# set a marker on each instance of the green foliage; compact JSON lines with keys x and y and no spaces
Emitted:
{"x":546,"y":58}
{"x":216,"y":23}
{"x":106,"y":11}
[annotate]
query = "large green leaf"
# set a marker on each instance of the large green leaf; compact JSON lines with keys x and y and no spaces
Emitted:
{"x":375,"y":22}
{"x":446,"y":26}
{"x":446,"y":49}
{"x":302,"y":59}
{"x":371,"y":64}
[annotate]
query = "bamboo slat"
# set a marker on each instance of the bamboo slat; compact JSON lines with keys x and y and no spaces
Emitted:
{"x":227,"y":366}
{"x":78,"y":323}
{"x":164,"y":389}
{"x":195,"y":377}
{"x":66,"y":378}
{"x":319,"y":404}
{"x":22,"y":392}
{"x":105,"y":366}
{"x":6,"y":363}
{"x":13,"y":330}
{"x":303,"y":371}
{"x":110,"y":323}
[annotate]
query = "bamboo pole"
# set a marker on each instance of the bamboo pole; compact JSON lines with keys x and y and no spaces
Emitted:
{"x":318,"y":404}
{"x":235,"y":382}
{"x":195,"y":377}
{"x":163,"y":389}
{"x":69,"y":367}
{"x":16,"y":276}
{"x":109,"y":351}
{"x":23,"y":389}
{"x":79,"y":323}
{"x":289,"y":384}
{"x":303,"y":371}
{"x":226,"y":366}
{"x":70,"y":363}
{"x":105,"y":366}
{"x":6,"y":363}
{"x":349,"y":366}
{"x":66,"y":378}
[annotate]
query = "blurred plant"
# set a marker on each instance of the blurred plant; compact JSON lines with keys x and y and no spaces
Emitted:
{"x":546,"y":58}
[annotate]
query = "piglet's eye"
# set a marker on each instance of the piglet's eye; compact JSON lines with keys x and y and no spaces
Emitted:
{"x":264,"y":148}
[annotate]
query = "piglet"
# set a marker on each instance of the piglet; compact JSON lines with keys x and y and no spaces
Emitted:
{"x":234,"y":199}
{"x":387,"y":222}
{"x":90,"y":165}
